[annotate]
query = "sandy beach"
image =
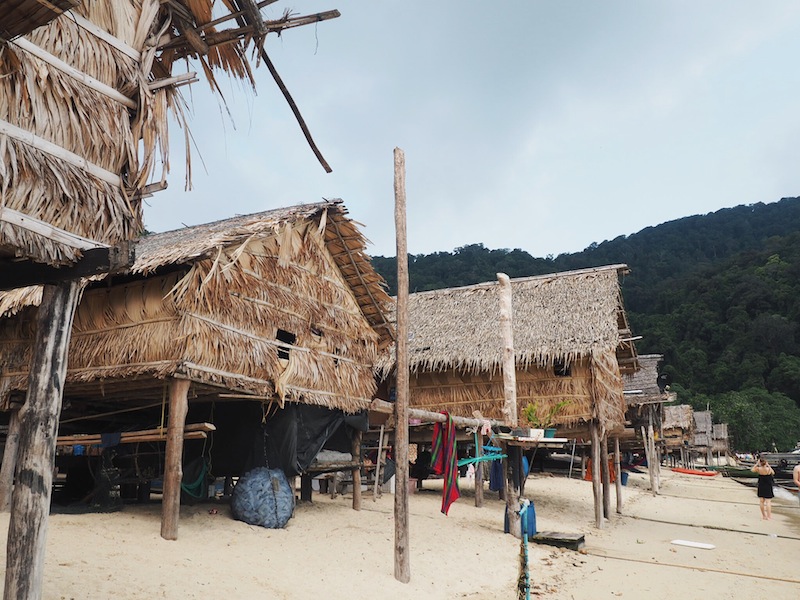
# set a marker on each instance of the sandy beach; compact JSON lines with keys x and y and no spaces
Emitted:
{"x":330,"y":551}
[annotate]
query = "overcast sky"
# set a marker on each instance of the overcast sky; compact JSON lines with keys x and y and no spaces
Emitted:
{"x":526,"y":124}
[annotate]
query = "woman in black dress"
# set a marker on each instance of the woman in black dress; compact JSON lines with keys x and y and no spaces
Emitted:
{"x":765,"y":481}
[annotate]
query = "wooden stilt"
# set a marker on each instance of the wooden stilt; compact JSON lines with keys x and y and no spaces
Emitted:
{"x":38,"y":428}
{"x":173,"y":467}
{"x":9,"y":461}
{"x":605,"y":476}
{"x":305,"y":488}
{"x":357,"y":436}
{"x":618,"y":471}
{"x":377,"y":489}
{"x":598,"y":494}
{"x":402,"y":564}
{"x":479,"y":470}
{"x":583,"y":463}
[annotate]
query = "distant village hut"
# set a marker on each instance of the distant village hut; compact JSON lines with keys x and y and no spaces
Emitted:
{"x":571,"y":341}
{"x":282,"y":308}
{"x":678,"y":430}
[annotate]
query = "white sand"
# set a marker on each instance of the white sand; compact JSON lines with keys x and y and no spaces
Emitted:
{"x":330,"y":551}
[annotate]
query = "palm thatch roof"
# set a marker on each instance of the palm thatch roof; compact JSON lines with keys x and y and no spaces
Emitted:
{"x":557,"y":318}
{"x":678,"y":417}
{"x":18,"y":17}
{"x":641,"y":387}
{"x":279,"y":305}
{"x":84,"y":106}
{"x":573,"y":321}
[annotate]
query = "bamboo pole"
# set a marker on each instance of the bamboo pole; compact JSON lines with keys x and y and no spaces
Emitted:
{"x":173,"y":469}
{"x":402,"y":566}
{"x":597,"y":493}
{"x":510,"y":404}
{"x":30,"y":500}
{"x":605,"y":476}
{"x":356,"y":450}
{"x":618,"y":471}
{"x":9,"y":461}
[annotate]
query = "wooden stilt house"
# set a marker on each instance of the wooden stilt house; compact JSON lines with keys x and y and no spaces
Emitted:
{"x":277,"y":307}
{"x":572,"y":343}
{"x":678,"y":428}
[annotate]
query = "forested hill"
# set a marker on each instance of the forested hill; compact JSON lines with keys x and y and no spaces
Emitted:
{"x":717,"y":294}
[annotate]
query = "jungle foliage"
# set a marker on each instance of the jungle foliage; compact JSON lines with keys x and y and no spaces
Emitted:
{"x":718,"y":295}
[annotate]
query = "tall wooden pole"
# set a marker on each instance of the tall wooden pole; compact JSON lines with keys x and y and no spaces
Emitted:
{"x":618,"y":471}
{"x":173,"y":461}
{"x":510,"y":404}
{"x":38,"y":430}
{"x":9,"y":461}
{"x":479,"y":469}
{"x":402,"y":565}
{"x":598,"y":495}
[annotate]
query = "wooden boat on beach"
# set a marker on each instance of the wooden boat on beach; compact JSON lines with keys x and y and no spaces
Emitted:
{"x":694,"y":472}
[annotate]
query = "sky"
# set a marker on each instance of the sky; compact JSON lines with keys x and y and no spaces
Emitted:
{"x":544,"y":126}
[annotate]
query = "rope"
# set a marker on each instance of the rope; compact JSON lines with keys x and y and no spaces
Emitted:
{"x":692,"y":568}
{"x":715,"y":527}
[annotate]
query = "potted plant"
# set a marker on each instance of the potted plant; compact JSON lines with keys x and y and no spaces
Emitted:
{"x":543,"y":417}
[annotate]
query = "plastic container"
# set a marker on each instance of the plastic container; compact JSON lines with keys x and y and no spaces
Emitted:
{"x":530,"y":517}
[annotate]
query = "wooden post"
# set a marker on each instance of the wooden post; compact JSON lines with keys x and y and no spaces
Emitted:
{"x":605,"y":476}
{"x":9,"y":461}
{"x":377,"y":487}
{"x":618,"y":471}
{"x":510,"y":396}
{"x":479,"y":470}
{"x":38,"y":430}
{"x":402,"y":565}
{"x":305,"y":488}
{"x":356,"y":451}
{"x":598,"y":495}
{"x":173,"y":468}
{"x":583,"y":464}
{"x":654,"y":462}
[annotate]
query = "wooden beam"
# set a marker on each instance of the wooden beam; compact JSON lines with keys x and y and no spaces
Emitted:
{"x":87,"y":80}
{"x":43,"y":145}
{"x":21,"y":273}
{"x":30,"y":500}
{"x":173,"y":468}
{"x":479,"y":470}
{"x":402,"y":564}
{"x":46,"y":230}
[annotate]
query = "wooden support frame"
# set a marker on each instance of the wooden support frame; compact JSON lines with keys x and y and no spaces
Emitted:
{"x":605,"y":476}
{"x":17,"y":274}
{"x":173,"y":467}
{"x":30,"y":500}
{"x":618,"y":471}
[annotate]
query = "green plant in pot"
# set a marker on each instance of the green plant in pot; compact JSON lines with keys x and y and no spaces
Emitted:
{"x":544,"y":417}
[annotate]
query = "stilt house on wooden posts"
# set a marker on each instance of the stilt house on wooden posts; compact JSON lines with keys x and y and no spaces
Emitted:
{"x":645,"y":395}
{"x":571,"y":341}
{"x":677,"y":429}
{"x":281,"y":308}
{"x":702,"y":439}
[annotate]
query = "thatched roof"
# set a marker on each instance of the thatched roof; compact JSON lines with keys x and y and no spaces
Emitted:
{"x":18,"y":17}
{"x":279,"y":305}
{"x":557,"y":317}
{"x":641,"y":387}
{"x":678,"y":417}
{"x":84,"y":106}
{"x":575,"y":320}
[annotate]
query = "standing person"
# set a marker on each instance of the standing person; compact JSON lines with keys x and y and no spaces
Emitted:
{"x":765,"y":493}
{"x":796,"y":478}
